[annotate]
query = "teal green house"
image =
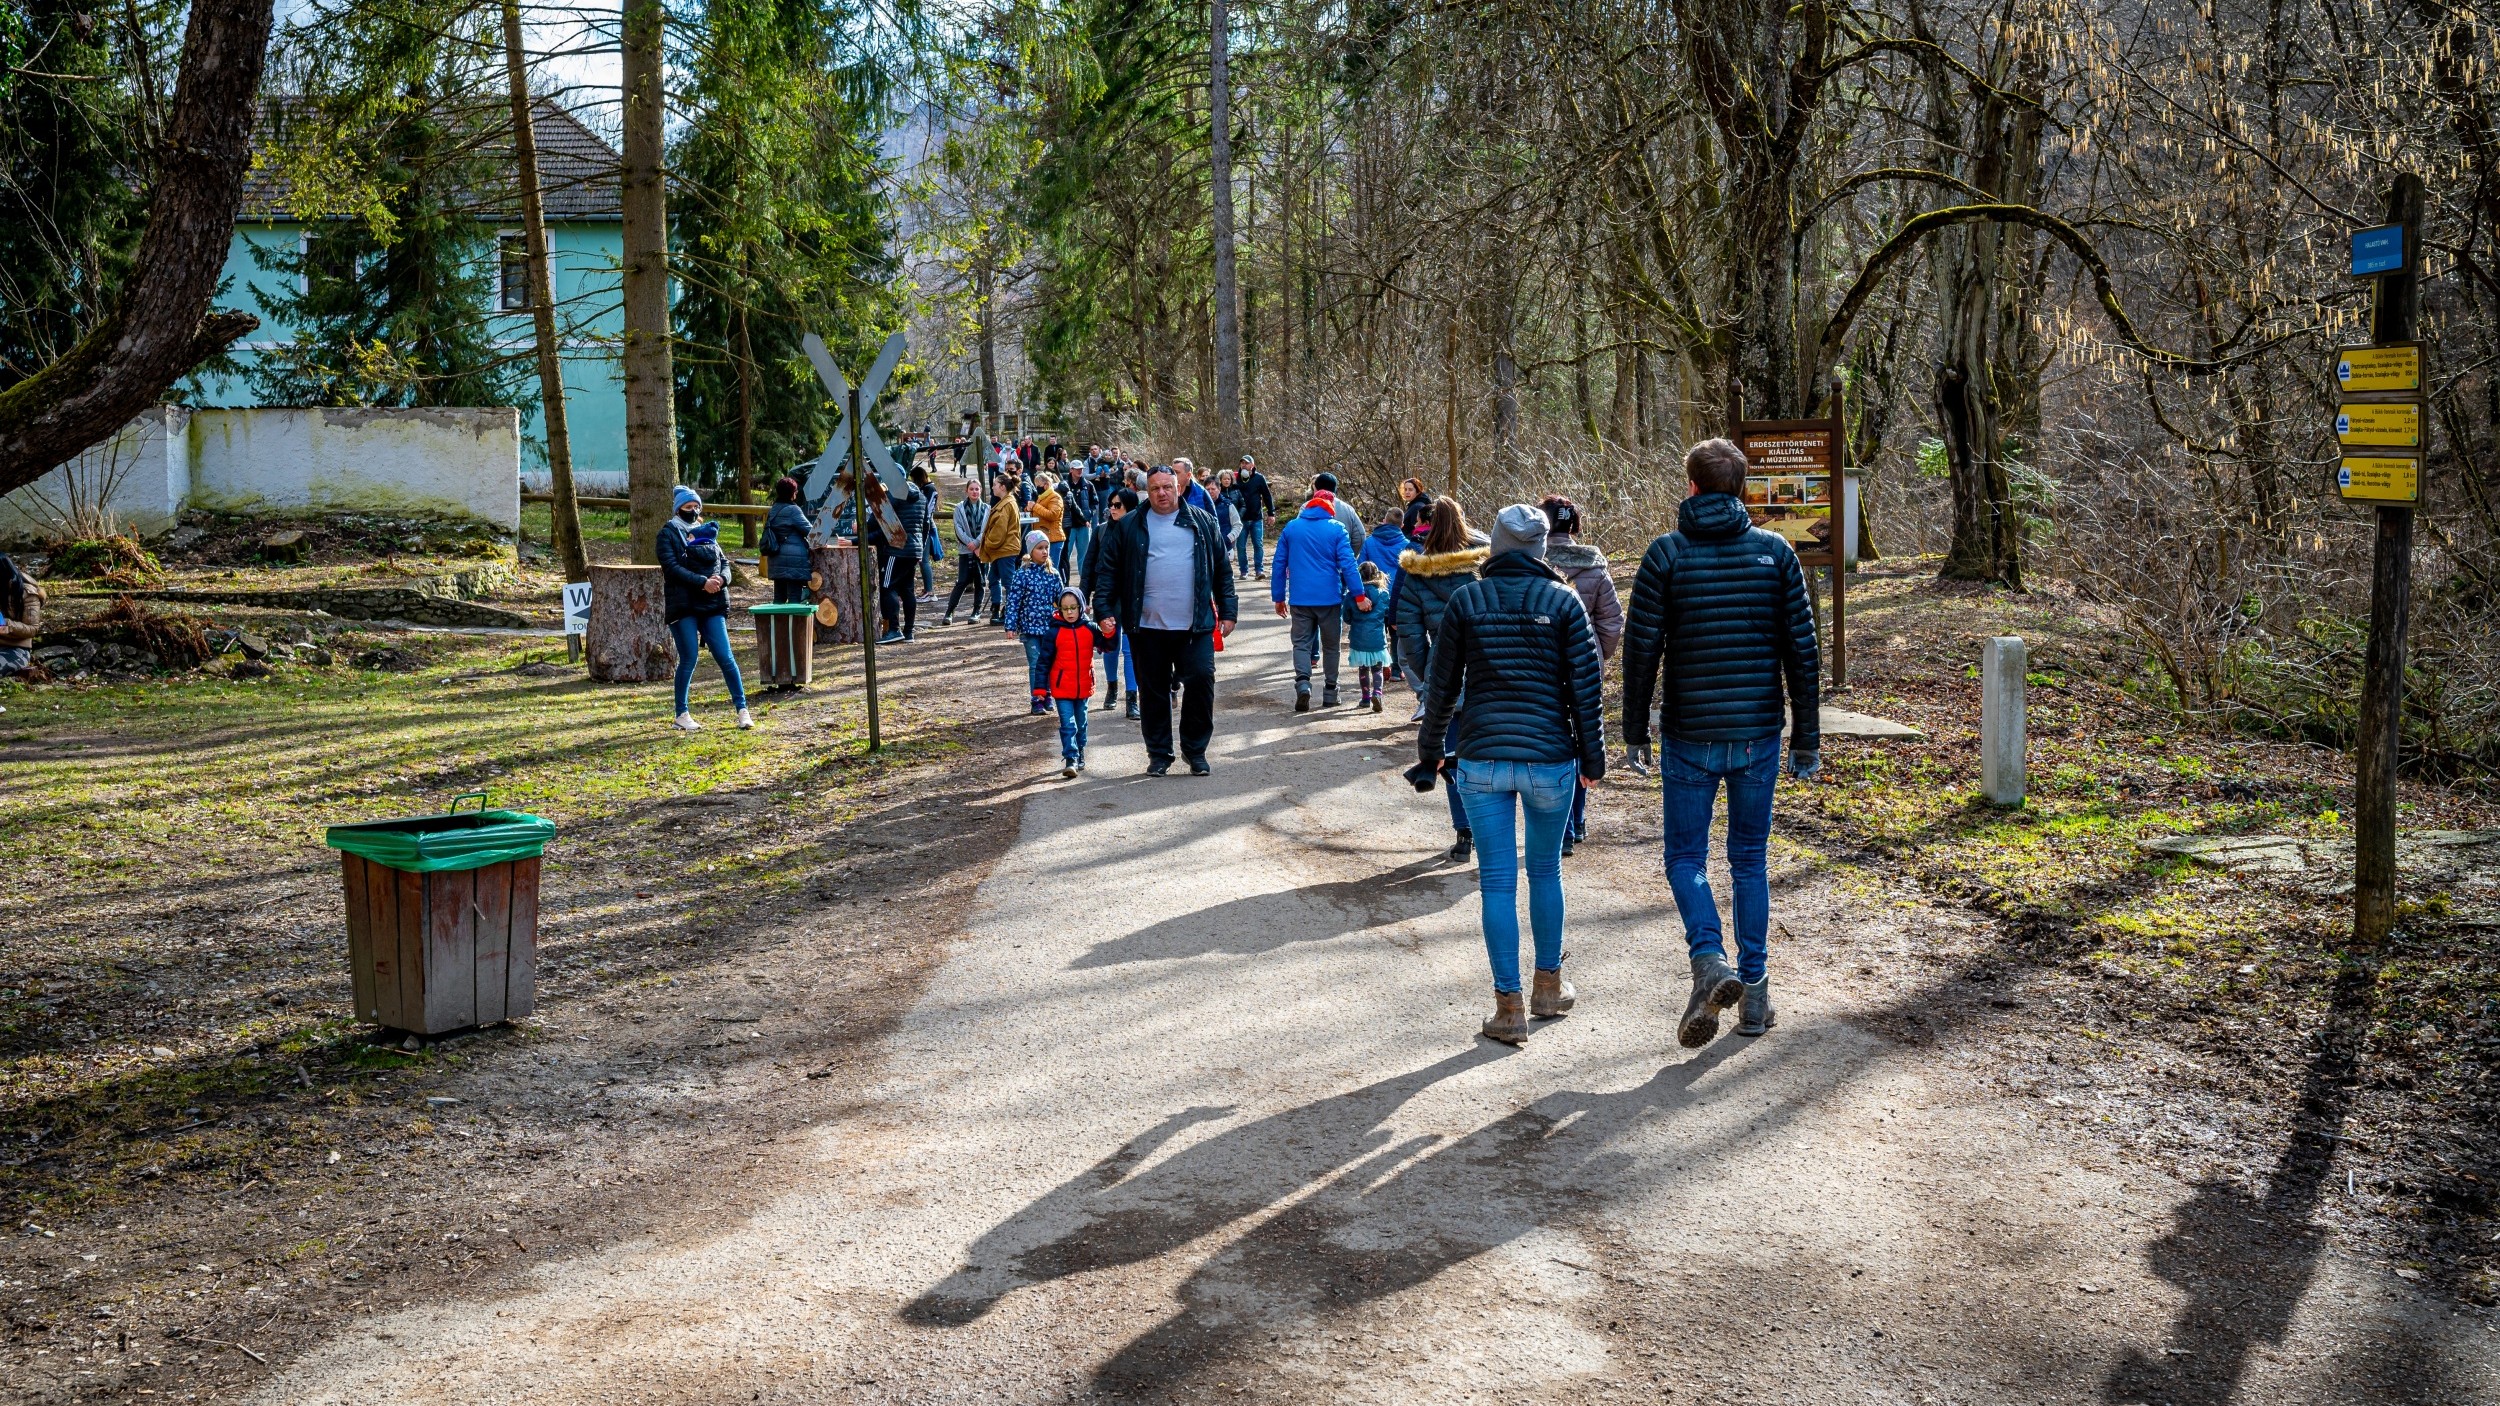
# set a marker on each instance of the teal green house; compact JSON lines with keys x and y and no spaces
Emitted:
{"x":585,"y":238}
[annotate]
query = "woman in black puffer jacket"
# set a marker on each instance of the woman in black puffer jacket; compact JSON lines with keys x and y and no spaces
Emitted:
{"x":1516,"y":642}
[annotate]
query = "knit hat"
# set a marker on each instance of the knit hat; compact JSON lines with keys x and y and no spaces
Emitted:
{"x":705,"y":532}
{"x":1036,"y":538}
{"x":682,"y":497}
{"x":1519,"y":528}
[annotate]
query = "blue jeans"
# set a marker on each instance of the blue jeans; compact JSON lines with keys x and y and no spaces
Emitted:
{"x":1035,"y":674}
{"x":1691,"y":773}
{"x":1071,"y":729}
{"x":1544,"y":791}
{"x":713,"y":632}
{"x":1250,"y":553}
{"x":1079,"y":538}
{"x":1002,"y":571}
{"x":1580,"y":814}
{"x":1128,"y":665}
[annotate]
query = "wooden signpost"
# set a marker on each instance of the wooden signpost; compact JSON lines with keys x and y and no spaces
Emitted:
{"x":2382,"y":427}
{"x":1794,"y":487}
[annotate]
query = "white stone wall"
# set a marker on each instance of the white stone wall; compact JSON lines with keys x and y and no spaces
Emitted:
{"x":452,"y":462}
{"x":141,"y":477}
{"x":460,"y":463}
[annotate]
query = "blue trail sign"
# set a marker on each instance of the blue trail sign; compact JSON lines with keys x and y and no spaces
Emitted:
{"x":2378,"y":250}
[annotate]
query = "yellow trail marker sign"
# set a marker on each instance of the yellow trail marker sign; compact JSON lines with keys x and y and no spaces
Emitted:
{"x":2396,"y":426}
{"x":2380,"y":478}
{"x":2368,"y":369}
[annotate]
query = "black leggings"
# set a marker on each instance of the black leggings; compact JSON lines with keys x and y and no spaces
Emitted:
{"x":789,"y":592}
{"x":969,"y":576}
{"x":896,"y":599}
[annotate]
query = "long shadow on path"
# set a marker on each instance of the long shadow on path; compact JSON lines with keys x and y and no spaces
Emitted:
{"x":1312,"y":913}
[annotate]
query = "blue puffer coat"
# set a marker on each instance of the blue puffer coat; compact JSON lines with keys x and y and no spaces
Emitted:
{"x":1722,"y":605}
{"x":784,"y":544}
{"x":1517,"y":642}
{"x":1382,"y":549}
{"x":1313,"y":564}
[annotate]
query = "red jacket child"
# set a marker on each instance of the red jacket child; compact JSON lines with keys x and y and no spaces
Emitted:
{"x":1068,"y":655}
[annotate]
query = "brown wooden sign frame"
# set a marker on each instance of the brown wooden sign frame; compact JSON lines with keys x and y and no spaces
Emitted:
{"x":1831,"y":555}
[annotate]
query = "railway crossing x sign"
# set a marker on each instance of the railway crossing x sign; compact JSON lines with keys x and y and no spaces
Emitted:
{"x":822,"y":493}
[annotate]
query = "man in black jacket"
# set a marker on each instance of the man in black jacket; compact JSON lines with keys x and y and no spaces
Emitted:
{"x":1722,"y":605}
{"x":1258,"y":504}
{"x":1162,"y":573}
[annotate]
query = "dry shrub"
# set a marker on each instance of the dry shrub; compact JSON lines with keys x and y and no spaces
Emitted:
{"x":115,"y":561}
{"x":178,"y":640}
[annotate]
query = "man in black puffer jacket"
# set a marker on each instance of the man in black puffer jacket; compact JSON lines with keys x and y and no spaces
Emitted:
{"x":1516,"y":643}
{"x":1722,"y":605}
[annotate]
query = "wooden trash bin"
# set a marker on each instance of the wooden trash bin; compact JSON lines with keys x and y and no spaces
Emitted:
{"x":785,"y":645}
{"x":442,"y":916}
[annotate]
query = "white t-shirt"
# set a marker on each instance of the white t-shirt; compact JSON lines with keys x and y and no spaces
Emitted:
{"x":1171,"y":574}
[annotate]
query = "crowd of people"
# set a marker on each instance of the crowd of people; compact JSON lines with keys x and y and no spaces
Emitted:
{"x":1502,"y":637}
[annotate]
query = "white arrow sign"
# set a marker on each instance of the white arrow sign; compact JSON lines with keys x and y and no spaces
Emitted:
{"x":822,"y":492}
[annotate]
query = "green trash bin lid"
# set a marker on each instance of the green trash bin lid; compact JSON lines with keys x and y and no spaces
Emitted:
{"x":782,"y":609}
{"x":453,"y":840}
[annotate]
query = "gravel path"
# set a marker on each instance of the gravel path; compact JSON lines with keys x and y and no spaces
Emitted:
{"x":1196,"y":1113}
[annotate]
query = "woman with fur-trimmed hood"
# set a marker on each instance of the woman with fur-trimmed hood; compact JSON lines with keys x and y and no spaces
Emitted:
{"x":1427,"y":578}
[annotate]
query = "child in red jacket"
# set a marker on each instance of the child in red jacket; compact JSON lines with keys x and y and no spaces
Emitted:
{"x":1068,"y":666}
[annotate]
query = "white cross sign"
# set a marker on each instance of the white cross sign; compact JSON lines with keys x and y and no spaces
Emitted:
{"x":821,"y":488}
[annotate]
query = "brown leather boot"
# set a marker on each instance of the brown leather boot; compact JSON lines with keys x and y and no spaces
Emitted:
{"x":1550,"y":996}
{"x":1509,"y":1022}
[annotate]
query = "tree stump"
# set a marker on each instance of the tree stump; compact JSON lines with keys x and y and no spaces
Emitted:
{"x":836,"y":582}
{"x":628,"y":639}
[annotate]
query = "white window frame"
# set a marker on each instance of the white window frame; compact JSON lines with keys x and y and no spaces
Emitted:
{"x":502,"y":301}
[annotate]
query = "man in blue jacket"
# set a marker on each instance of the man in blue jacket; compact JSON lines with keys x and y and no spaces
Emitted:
{"x":1311,"y":577}
{"x":1722,"y":605}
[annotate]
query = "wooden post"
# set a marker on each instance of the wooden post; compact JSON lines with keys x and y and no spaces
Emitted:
{"x":2394,"y":309}
{"x":861,"y":509}
{"x":628,"y":639}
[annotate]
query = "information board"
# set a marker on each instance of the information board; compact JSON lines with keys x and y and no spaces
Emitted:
{"x":2395,"y":425}
{"x":2380,"y":478}
{"x":2379,"y":369}
{"x":1793,"y":472}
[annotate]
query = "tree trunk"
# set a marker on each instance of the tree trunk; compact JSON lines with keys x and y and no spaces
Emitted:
{"x":1227,"y":289}
{"x":836,"y":581}
{"x":746,"y":421}
{"x":650,"y":381}
{"x":162,"y":326}
{"x":985,"y":282}
{"x":565,"y":513}
{"x":628,"y":640}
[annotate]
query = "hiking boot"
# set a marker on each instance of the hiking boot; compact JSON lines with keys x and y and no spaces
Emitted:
{"x":1715,"y":988}
{"x":1329,"y":699}
{"x":1549,"y":995}
{"x":1302,"y":700}
{"x":1568,"y":845}
{"x":1754,"y":1015}
{"x":1463,"y":848}
{"x":1375,"y":702}
{"x":1509,"y":1021}
{"x":1132,"y":707}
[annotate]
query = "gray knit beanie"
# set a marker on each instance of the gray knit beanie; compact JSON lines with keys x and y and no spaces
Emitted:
{"x":1519,"y":528}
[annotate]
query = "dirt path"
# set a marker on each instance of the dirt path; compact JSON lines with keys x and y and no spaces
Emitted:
{"x":1212,"y":1125}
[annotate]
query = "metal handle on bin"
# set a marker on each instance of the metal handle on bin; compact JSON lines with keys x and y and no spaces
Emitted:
{"x":477,"y":796}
